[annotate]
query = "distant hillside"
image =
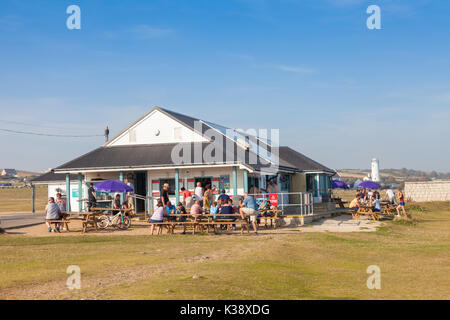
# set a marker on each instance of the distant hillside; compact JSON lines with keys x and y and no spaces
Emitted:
{"x":23,"y":173}
{"x":393,"y":176}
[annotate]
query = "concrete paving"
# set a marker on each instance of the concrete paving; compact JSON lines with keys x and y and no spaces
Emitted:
{"x":342,"y":223}
{"x":19,"y":220}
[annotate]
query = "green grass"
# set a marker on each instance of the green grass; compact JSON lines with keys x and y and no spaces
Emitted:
{"x":414,"y":262}
{"x":20,"y":200}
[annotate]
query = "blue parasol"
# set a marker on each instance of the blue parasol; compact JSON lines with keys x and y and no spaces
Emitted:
{"x":337,"y":184}
{"x":113,"y":186}
{"x":369,"y":185}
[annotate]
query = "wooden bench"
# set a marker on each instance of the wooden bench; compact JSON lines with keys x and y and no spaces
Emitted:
{"x":65,"y":221}
{"x":203,"y":222}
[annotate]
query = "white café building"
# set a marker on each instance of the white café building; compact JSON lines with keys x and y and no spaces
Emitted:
{"x":167,"y":147}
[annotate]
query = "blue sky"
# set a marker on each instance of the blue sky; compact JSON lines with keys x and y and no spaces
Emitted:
{"x":339,"y":92}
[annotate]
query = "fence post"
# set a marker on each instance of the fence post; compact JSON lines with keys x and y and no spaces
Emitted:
{"x":33,"y":197}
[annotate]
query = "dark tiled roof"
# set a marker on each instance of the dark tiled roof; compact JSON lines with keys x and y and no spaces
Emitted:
{"x":54,"y":177}
{"x":157,"y":155}
{"x":300,"y":161}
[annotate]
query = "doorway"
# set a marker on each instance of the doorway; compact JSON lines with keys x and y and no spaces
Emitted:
{"x":204,"y":181}
{"x":140,"y":188}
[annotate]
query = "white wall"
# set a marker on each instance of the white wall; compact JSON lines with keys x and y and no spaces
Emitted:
{"x":144,"y":132}
{"x":52,"y":191}
{"x":427,"y":191}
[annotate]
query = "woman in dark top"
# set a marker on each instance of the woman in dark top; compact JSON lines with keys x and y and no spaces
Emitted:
{"x":165,"y":193}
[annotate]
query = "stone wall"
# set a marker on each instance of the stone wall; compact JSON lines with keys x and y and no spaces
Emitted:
{"x":427,"y":191}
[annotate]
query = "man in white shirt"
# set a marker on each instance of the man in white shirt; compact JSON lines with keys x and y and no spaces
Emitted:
{"x":390,"y":196}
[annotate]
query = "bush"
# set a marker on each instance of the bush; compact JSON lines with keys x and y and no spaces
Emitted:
{"x":2,"y":231}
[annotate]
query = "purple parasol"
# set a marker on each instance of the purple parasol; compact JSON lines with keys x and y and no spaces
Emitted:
{"x":337,"y":184}
{"x":369,"y":185}
{"x":113,"y":186}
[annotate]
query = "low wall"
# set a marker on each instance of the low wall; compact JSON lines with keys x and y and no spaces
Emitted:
{"x":427,"y":191}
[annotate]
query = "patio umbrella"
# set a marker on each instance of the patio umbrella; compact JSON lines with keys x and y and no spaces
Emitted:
{"x":337,"y":184}
{"x":113,"y":186}
{"x":369,"y":185}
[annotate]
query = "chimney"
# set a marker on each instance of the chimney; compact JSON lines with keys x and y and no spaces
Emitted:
{"x":106,"y":134}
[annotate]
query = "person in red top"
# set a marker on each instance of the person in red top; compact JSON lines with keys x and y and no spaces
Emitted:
{"x":187,"y":198}
{"x":401,"y":198}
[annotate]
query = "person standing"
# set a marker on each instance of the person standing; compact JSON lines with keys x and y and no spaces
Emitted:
{"x":207,"y":197}
{"x":401,"y":199}
{"x":92,"y":201}
{"x":60,"y":202}
{"x":390,"y":196}
{"x":198,"y":193}
{"x":187,"y":198}
{"x":52,"y":212}
{"x":249,"y":207}
{"x":165,"y":193}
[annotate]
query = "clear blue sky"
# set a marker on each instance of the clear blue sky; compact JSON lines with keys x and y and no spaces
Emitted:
{"x":338,"y":92}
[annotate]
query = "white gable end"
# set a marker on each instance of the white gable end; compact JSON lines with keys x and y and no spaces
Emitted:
{"x":156,"y":128}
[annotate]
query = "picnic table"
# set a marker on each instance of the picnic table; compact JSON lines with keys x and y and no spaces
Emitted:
{"x":388,"y":208}
{"x":339,"y":201}
{"x":90,"y":219}
{"x":366,"y":209}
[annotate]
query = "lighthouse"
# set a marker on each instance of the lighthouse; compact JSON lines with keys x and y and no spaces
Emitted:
{"x":375,"y":175}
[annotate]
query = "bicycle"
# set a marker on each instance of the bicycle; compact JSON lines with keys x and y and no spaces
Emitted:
{"x":114,"y":220}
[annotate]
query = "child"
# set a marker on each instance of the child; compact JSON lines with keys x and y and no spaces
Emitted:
{"x":214,"y":209}
{"x":182,"y":210}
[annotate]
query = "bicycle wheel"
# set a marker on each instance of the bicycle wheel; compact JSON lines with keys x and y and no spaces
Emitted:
{"x":103,"y":222}
{"x":123,"y":222}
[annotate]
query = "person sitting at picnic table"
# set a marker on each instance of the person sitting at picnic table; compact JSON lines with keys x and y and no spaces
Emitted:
{"x":181,"y":210}
{"x":214,"y":209}
{"x":196,"y":209}
{"x":227,"y":208}
{"x":125,"y":206}
{"x":52,"y":212}
{"x":223,"y":197}
{"x":376,"y":204}
{"x":401,"y":205}
{"x":170,"y":209}
{"x":187,"y":197}
{"x":116,"y":204}
{"x":158,"y":214}
{"x":377,"y":195}
{"x":249,"y":207}
{"x":354,"y":204}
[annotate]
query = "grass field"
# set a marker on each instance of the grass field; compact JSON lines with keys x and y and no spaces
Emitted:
{"x":414,"y":259}
{"x":19,"y":200}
